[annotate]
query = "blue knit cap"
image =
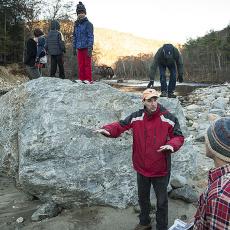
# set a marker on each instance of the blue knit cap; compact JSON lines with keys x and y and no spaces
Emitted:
{"x":80,"y":8}
{"x":218,"y":138}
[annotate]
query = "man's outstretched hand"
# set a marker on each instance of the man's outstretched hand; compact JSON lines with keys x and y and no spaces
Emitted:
{"x":165,"y":148}
{"x":102,"y":131}
{"x":151,"y":84}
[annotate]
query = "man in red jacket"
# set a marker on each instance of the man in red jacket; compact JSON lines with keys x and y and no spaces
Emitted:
{"x":156,"y":134}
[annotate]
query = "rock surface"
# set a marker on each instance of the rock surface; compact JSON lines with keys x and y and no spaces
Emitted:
{"x":47,"y":142}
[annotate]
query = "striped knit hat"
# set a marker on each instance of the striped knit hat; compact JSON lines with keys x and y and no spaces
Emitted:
{"x":218,"y":138}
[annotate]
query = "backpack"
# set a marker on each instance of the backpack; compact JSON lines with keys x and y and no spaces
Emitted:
{"x":168,"y":52}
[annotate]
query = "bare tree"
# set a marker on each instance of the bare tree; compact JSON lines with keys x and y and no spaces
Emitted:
{"x":57,"y":9}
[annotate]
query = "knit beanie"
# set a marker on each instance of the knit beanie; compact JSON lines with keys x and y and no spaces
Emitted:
{"x":80,"y":8}
{"x":218,"y":138}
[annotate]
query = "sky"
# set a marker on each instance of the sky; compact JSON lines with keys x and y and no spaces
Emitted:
{"x":169,"y":20}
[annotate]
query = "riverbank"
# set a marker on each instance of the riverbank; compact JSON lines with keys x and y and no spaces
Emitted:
{"x":16,"y":207}
{"x":15,"y":204}
{"x":137,"y":86}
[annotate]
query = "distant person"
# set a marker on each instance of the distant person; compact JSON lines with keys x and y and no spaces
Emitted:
{"x":31,"y":55}
{"x":83,"y":40}
{"x":214,"y":204}
{"x":41,"y":58}
{"x":56,"y":48}
{"x":169,"y":57}
{"x":156,"y":134}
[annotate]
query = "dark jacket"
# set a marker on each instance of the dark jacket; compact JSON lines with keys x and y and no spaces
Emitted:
{"x":149,"y":133}
{"x":83,"y":35}
{"x":41,"y":46}
{"x":55,"y":43}
{"x":159,"y":59}
{"x":30,"y":52}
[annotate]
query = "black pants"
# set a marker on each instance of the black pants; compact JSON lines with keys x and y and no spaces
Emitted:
{"x":57,"y":60}
{"x":160,"y":187}
{"x":33,"y":72}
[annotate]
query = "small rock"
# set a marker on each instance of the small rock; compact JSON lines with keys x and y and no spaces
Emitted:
{"x":185,"y":193}
{"x":47,"y":210}
{"x":183,"y":217}
{"x":193,"y":107}
{"x":219,"y":112}
{"x":178,"y":181}
{"x":20,"y":220}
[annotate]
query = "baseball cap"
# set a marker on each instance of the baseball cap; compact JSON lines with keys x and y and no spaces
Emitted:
{"x":149,"y":93}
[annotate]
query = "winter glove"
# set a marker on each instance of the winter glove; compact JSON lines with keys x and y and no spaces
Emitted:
{"x":74,"y":52}
{"x":180,"y":78}
{"x":90,"y":51}
{"x":151,"y":84}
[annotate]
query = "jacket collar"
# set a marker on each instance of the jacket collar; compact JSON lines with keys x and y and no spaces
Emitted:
{"x":154,"y":114}
{"x":80,"y":21}
{"x":216,"y":173}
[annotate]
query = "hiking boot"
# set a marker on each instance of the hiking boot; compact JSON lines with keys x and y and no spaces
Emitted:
{"x":163,"y":94}
{"x":171,"y":95}
{"x":143,"y":227}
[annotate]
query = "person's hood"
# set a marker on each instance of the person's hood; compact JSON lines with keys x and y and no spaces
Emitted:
{"x":55,"y":25}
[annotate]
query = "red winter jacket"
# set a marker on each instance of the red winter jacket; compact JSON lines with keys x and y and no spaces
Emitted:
{"x":149,"y":133}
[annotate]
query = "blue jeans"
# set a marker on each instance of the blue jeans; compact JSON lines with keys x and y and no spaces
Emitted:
{"x":172,"y":80}
{"x":160,"y":187}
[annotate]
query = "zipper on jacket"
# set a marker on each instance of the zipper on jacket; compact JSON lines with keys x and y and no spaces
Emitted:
{"x":154,"y":138}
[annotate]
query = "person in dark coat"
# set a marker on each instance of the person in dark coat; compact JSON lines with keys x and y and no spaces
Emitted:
{"x":41,"y":58}
{"x":169,"y":57}
{"x":55,"y":47}
{"x":31,"y":55}
{"x":83,"y":40}
{"x":156,"y":134}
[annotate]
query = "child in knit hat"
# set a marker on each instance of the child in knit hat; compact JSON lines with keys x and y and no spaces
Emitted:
{"x":214,"y":204}
{"x":83,"y":41}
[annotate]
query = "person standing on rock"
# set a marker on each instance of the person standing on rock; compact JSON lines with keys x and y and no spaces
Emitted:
{"x":83,"y":40}
{"x":55,"y":47}
{"x":169,"y":57}
{"x":31,"y":54}
{"x":41,"y":58}
{"x":214,"y":204}
{"x":156,"y":134}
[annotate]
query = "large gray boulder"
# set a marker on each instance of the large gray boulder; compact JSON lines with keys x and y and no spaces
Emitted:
{"x":47,"y":142}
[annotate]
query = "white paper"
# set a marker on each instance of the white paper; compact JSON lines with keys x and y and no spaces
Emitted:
{"x":180,"y":225}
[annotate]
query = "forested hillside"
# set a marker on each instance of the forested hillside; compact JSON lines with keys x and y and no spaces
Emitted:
{"x":207,"y":59}
{"x":112,"y":45}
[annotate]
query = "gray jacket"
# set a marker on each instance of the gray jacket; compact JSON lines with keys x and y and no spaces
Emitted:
{"x":55,"y":44}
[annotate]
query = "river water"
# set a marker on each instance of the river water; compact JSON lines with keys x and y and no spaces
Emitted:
{"x":137,"y":86}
